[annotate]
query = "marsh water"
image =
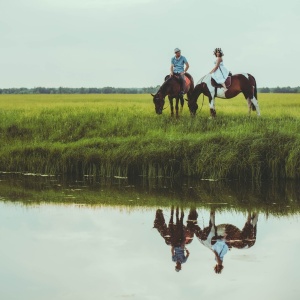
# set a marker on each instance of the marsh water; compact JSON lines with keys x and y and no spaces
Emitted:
{"x":112,"y":239}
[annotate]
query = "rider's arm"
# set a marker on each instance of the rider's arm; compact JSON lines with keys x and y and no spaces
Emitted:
{"x":218,"y":61}
{"x":172,"y":251}
{"x":187,"y":252}
{"x":186,"y":67}
{"x":218,"y":259}
{"x":172,"y":69}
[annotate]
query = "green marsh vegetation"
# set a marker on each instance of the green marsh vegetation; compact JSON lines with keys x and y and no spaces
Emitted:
{"x":120,"y":135}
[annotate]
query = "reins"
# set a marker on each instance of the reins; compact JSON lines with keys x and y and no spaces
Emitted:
{"x":199,"y":82}
{"x":202,"y":103}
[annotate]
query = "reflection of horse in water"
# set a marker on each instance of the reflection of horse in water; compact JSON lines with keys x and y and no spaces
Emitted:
{"x":220,"y":238}
{"x":235,"y":237}
{"x":217,"y":238}
{"x":175,"y":235}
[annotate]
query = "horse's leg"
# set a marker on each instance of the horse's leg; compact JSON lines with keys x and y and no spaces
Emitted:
{"x":171,"y":105}
{"x":248,"y":234}
{"x":192,"y":218}
{"x":254,"y":219}
{"x":212,"y":222}
{"x":255,"y":103}
{"x":172,"y":213}
{"x":177,"y":107}
{"x":249,"y":94}
{"x":181,"y":103}
{"x":213,"y":112}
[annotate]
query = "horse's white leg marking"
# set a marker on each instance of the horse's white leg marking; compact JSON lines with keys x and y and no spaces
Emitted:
{"x":255,"y":219}
{"x":212,"y":103}
{"x":255,"y":102}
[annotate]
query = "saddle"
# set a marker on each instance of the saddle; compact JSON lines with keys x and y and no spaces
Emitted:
{"x":187,"y":80}
{"x":227,"y":82}
{"x":217,"y":85}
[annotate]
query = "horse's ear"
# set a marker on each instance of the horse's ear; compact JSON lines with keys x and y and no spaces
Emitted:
{"x":152,"y":95}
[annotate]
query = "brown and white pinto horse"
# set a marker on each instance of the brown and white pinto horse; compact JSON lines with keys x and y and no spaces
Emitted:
{"x":241,"y":239}
{"x":240,"y":83}
{"x":171,"y":88}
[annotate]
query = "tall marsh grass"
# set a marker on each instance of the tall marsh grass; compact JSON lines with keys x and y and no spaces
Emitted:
{"x":120,"y":135}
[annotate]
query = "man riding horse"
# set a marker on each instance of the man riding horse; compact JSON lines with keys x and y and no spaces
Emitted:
{"x":177,"y":68}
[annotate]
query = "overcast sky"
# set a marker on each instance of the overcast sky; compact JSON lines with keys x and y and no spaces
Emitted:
{"x":129,"y":43}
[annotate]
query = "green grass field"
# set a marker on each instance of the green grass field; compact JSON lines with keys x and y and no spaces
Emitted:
{"x":120,"y":135}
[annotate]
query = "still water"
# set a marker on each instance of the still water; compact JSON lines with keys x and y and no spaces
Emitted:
{"x":70,"y":250}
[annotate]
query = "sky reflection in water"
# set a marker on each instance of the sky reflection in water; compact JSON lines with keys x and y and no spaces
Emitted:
{"x":80,"y":252}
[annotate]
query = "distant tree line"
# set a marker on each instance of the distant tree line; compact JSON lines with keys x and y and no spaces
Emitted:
{"x":112,"y":90}
{"x":82,"y":90}
{"x":284,"y":90}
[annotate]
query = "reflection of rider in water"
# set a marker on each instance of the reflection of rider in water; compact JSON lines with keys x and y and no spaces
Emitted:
{"x":220,"y":248}
{"x":178,"y":240}
{"x":174,"y":236}
{"x":214,"y":238}
{"x":223,"y":237}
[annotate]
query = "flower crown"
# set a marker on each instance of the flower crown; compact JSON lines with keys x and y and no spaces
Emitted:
{"x":218,"y":50}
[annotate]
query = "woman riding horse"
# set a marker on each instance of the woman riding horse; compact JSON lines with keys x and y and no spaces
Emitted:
{"x":240,"y":83}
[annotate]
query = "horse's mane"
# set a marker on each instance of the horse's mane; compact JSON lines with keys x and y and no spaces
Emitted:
{"x":163,"y":86}
{"x":205,"y":78}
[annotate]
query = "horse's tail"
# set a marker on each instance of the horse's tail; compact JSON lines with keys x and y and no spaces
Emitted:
{"x":253,"y":84}
{"x":255,"y":88}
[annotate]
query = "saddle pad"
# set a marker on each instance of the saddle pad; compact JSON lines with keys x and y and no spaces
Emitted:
{"x":228,"y":81}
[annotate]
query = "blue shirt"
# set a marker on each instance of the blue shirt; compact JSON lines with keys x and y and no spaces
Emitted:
{"x":221,"y":248}
{"x":179,"y":255}
{"x":178,"y":63}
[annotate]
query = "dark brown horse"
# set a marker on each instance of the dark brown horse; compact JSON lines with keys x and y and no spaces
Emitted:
{"x":236,"y":84}
{"x":176,"y":234}
{"x":171,"y":88}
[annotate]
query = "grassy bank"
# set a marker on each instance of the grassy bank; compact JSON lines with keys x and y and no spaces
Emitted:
{"x":120,"y":135}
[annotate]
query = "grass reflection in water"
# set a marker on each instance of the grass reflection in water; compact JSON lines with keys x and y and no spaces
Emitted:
{"x":268,"y":198}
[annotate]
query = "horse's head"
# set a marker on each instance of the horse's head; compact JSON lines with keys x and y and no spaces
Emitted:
{"x":192,"y":101}
{"x":159,"y":102}
{"x":193,"y":106}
